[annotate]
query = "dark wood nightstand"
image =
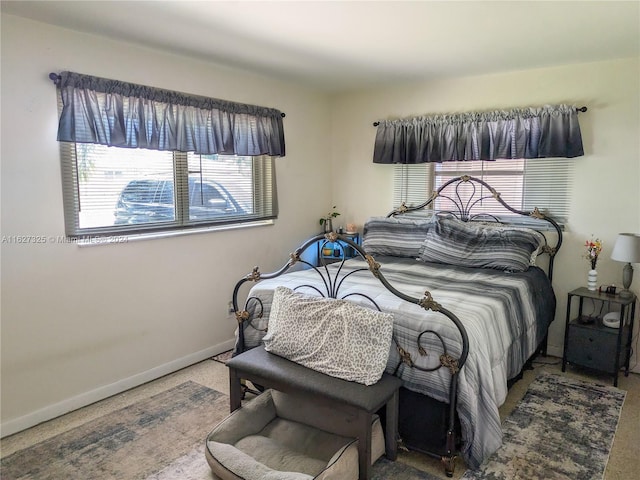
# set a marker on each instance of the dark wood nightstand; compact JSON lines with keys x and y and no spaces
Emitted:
{"x":589,"y":343}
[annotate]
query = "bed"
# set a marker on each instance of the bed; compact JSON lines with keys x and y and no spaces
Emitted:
{"x":471,"y":301}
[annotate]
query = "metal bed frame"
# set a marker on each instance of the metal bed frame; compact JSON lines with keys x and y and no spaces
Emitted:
{"x":465,"y":193}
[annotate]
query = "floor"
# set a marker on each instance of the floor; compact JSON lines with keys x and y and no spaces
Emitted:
{"x":624,"y":462}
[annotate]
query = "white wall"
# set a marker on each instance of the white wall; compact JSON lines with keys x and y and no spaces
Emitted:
{"x":606,"y":193}
{"x":82,"y":323}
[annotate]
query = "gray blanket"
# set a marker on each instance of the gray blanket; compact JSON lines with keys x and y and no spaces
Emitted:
{"x":506,"y":316}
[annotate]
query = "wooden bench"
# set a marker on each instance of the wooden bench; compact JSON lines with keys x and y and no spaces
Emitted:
{"x":271,"y":371}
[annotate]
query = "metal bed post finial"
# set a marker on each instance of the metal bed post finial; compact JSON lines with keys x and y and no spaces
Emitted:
{"x":254,"y":275}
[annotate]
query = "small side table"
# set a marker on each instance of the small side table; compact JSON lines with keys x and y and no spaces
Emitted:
{"x":331,"y":252}
{"x":592,"y":344}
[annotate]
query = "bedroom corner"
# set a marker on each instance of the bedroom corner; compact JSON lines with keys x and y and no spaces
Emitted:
{"x":605,"y":198}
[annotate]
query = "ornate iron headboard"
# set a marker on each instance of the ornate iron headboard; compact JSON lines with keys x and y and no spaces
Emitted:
{"x":467,"y":197}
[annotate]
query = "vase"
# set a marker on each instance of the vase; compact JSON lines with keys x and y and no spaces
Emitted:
{"x":592,"y":279}
{"x":328,"y":225}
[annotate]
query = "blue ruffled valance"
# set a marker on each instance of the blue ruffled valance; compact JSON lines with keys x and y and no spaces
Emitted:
{"x":533,"y":132}
{"x":121,"y":114}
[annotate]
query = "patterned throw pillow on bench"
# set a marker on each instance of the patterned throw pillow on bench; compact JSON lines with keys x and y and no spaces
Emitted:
{"x":335,"y":337}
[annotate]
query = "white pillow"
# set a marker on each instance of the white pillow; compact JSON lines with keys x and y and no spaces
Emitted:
{"x":335,"y":337}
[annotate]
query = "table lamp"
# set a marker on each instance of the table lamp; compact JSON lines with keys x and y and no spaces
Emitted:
{"x":627,"y":249}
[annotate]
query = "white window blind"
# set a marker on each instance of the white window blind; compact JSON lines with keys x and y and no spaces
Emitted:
{"x":116,"y":191}
{"x":412,"y":183}
{"x":544,"y":183}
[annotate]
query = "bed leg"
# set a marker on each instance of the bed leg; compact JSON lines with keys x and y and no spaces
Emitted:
{"x":449,"y":464}
{"x":449,"y":461}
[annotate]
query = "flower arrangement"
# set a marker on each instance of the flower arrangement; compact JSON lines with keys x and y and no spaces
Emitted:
{"x":594,"y":247}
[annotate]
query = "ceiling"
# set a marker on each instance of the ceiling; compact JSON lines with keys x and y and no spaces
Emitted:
{"x":341,"y":45}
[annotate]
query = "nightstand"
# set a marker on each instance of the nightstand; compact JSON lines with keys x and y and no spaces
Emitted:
{"x":591,"y":344}
{"x":331,"y":252}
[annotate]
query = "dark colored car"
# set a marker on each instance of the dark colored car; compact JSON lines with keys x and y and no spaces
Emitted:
{"x":152,"y":200}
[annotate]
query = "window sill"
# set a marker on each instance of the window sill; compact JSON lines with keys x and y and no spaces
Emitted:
{"x":92,"y":241}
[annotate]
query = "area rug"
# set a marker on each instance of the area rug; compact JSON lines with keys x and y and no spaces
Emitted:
{"x":223,"y":357}
{"x":193,"y":466}
{"x":160,"y":438}
{"x":131,"y":443}
{"x":562,"y":429}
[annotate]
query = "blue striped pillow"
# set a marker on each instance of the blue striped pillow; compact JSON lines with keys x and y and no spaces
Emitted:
{"x":398,"y":237}
{"x":468,"y":244}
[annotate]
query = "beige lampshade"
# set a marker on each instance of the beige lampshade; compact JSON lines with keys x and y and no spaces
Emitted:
{"x":627,"y":248}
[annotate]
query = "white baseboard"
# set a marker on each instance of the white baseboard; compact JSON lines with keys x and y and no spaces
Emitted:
{"x":52,"y":411}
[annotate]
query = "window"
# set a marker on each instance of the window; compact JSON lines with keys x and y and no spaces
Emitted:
{"x":125,"y":166}
{"x":119,"y":191}
{"x":544,"y":183}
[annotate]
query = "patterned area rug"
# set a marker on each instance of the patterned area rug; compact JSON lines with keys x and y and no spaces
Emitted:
{"x":562,"y":429}
{"x":160,"y":438}
{"x":223,"y":357}
{"x":193,"y":466}
{"x":131,"y":443}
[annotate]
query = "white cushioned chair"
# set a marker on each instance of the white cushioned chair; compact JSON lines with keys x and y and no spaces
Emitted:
{"x":276,"y":436}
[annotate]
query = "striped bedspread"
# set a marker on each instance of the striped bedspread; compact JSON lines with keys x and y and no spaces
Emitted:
{"x":505,"y":314}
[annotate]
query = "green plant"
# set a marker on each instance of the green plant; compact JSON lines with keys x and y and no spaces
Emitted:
{"x":331,"y":214}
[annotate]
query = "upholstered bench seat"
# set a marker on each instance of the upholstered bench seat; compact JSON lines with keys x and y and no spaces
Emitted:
{"x":358,"y":403}
{"x":272,"y":438}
